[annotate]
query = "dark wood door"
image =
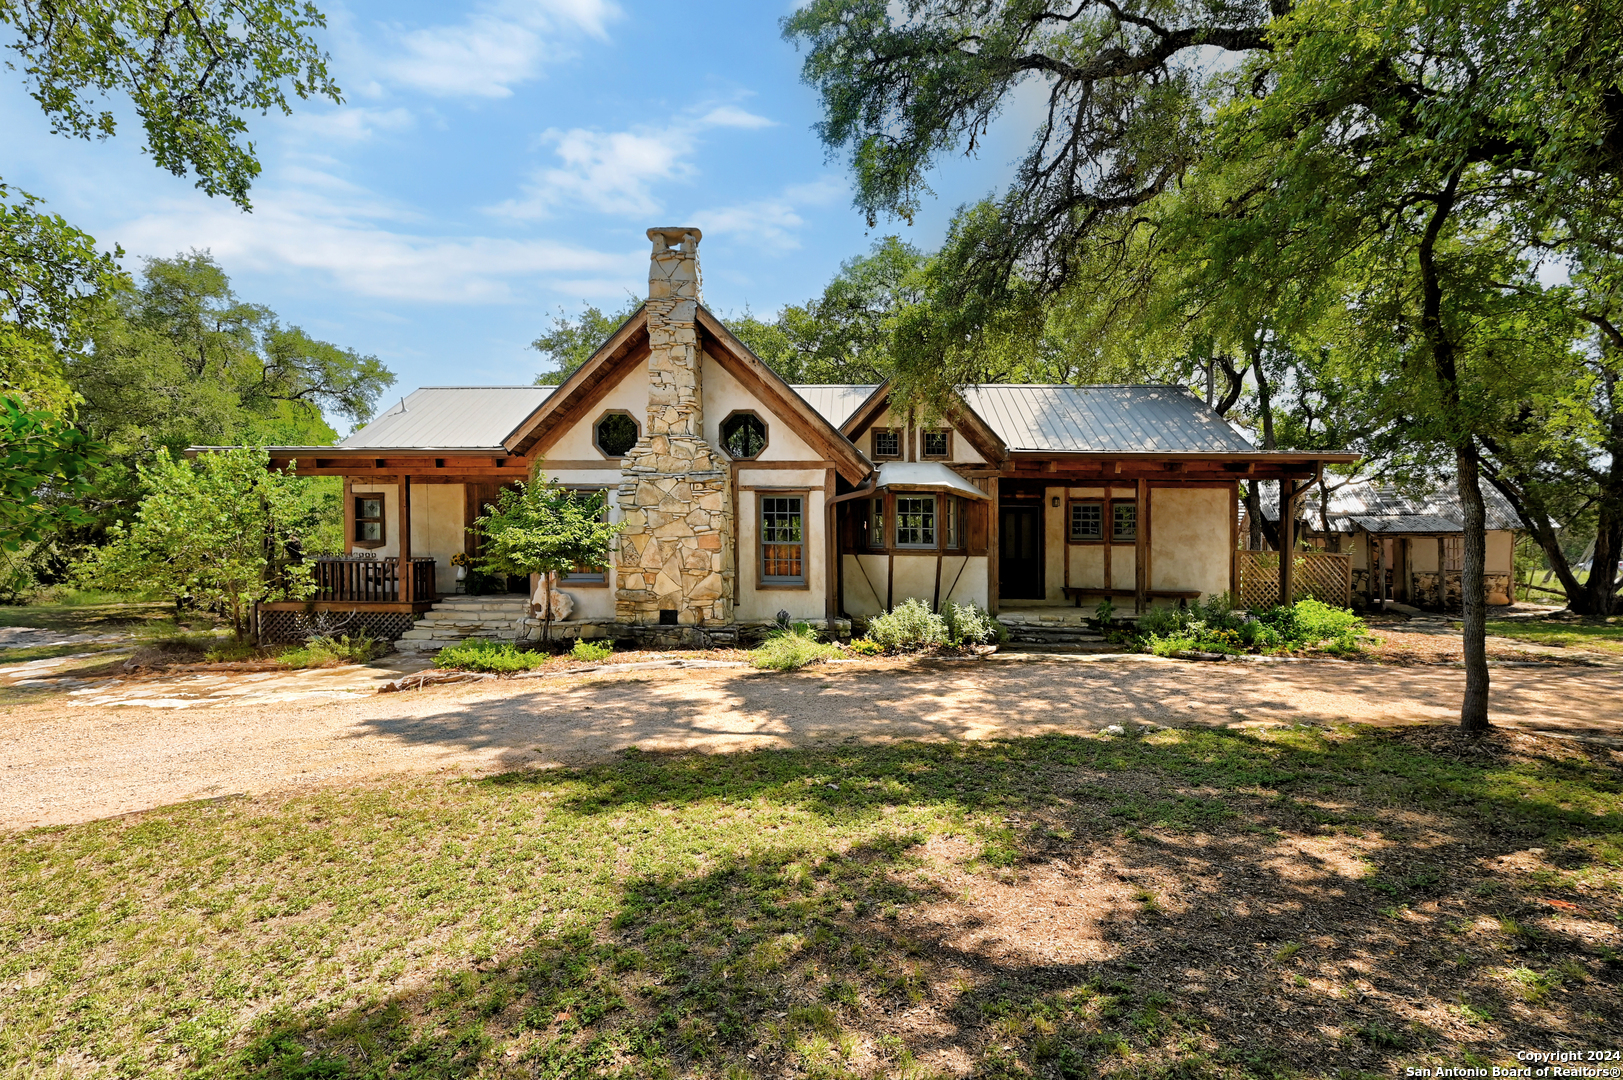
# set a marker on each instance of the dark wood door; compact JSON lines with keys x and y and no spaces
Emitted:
{"x":1020,"y":553}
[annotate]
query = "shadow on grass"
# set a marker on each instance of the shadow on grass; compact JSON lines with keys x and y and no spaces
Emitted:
{"x":1201,"y":903}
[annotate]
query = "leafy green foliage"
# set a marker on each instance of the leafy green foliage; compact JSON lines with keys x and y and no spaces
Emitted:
{"x":907,"y":626}
{"x":571,"y":342}
{"x":483,"y":654}
{"x":541,"y":528}
{"x":331,"y":651}
{"x":968,"y":624}
{"x":1212,"y":625}
{"x":592,"y":651}
{"x":788,"y":650}
{"x":192,"y":74}
{"x":40,"y":453}
{"x":225,"y":532}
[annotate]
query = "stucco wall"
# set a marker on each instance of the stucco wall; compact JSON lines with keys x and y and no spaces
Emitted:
{"x":963,"y":581}
{"x":962,"y":452}
{"x":436,"y":526}
{"x":630,"y":395}
{"x":1190,"y":541}
{"x":1501,"y":552}
{"x":724,"y":395}
{"x":801,"y":602}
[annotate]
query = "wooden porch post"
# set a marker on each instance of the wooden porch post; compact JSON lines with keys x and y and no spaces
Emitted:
{"x":1380,"y":546}
{"x":349,"y":513}
{"x":993,"y":515}
{"x":1287,"y":540}
{"x":1234,"y":544}
{"x":1141,"y":547}
{"x":405,"y":541}
{"x":832,"y":600}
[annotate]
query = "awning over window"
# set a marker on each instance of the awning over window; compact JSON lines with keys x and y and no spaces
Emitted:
{"x":926,"y":476}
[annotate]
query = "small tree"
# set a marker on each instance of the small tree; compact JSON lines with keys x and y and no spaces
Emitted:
{"x":224,"y":531}
{"x":541,"y":528}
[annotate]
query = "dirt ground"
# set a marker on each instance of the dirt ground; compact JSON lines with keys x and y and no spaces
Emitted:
{"x":62,"y":763}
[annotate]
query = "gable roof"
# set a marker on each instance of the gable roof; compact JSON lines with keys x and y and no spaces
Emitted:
{"x":451,"y":418}
{"x":1387,"y":507}
{"x":1102,"y":419}
{"x":835,"y":402}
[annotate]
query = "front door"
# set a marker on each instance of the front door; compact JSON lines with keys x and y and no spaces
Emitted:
{"x":1020,"y":553}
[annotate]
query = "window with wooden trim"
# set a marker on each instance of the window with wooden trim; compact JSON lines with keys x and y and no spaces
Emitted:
{"x":1123,"y":522}
{"x":916,"y":521}
{"x":1087,"y":522}
{"x":743,"y":435}
{"x":368,"y":519}
{"x":1453,"y":554}
{"x":783,"y":539}
{"x":589,"y":575}
{"x":935,"y":444}
{"x":887,"y":443}
{"x":876,"y":523}
{"x":953,"y":530}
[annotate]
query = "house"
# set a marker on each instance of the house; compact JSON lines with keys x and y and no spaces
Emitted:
{"x":1411,"y":542}
{"x":743,"y":497}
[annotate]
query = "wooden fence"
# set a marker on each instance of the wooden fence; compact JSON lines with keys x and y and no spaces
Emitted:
{"x":1323,"y":575}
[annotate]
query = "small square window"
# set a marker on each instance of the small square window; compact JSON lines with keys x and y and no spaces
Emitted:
{"x":887,"y":444}
{"x":1087,"y":521}
{"x":935,"y":444}
{"x":1123,"y":521}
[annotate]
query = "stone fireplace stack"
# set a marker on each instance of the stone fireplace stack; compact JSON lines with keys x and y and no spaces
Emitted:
{"x":675,"y":565}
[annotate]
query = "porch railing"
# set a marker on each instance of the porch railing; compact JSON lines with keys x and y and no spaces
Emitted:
{"x":371,"y":580}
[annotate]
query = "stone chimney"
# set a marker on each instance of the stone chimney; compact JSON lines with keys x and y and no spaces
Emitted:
{"x":676,"y":553}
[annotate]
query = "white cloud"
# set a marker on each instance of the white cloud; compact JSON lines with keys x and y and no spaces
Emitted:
{"x":615,"y":172}
{"x":348,"y":238}
{"x":351,"y":124}
{"x":495,"y":48}
{"x":772,"y":220}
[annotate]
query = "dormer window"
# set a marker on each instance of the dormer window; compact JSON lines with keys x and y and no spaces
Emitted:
{"x":936,"y":444}
{"x":887,"y":443}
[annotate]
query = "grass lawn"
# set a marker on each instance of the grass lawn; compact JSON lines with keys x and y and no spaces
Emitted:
{"x":1594,"y":637}
{"x":87,"y":613}
{"x":1200,"y":903}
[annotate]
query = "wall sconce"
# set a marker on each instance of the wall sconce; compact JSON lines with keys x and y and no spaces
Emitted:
{"x":1054,"y":501}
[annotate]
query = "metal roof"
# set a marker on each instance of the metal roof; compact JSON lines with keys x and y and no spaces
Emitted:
{"x":1102,"y":419}
{"x":1363,"y":499}
{"x":1408,"y":524}
{"x":933,"y":474}
{"x":451,"y":418}
{"x":835,"y":401}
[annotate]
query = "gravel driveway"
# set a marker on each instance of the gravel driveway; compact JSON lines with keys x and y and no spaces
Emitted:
{"x":62,"y":764}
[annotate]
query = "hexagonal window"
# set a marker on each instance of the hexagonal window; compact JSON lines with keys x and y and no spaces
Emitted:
{"x":743,"y":435}
{"x":615,"y":434}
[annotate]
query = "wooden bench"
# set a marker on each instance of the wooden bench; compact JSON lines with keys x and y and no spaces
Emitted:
{"x":1076,"y":594}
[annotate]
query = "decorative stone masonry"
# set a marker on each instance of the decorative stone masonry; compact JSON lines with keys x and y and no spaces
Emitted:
{"x":677,"y":548}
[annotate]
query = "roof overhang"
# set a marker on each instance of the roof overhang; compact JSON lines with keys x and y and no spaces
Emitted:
{"x":585,"y":387}
{"x":421,"y":463}
{"x":925,"y":476}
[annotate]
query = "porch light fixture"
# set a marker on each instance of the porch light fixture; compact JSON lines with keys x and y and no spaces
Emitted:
{"x":1054,"y":501}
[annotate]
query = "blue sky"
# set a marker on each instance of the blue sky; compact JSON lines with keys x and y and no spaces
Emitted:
{"x":496,"y":160}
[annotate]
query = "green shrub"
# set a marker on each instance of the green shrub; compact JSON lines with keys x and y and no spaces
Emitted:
{"x":1308,"y":623}
{"x":786,"y":650}
{"x":332,"y":651}
{"x":228,"y":652}
{"x":908,"y":625}
{"x":593,"y":651}
{"x":866,"y":647}
{"x":482,"y":654}
{"x":970,"y":625}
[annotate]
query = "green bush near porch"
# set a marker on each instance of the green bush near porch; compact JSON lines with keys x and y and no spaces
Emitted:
{"x":482,"y":654}
{"x":1212,"y":626}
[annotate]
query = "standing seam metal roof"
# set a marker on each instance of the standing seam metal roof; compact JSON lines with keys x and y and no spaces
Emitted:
{"x":1365,"y":500}
{"x":451,"y":418}
{"x":1102,"y":419}
{"x":835,"y":401}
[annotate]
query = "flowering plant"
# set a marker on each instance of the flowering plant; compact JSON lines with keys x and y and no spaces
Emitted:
{"x":461,"y":559}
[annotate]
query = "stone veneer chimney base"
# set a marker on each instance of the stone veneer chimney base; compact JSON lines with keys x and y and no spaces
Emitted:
{"x":676,"y":553}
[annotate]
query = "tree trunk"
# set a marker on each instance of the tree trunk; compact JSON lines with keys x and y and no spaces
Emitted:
{"x":1473,"y":592}
{"x":1445,"y":365}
